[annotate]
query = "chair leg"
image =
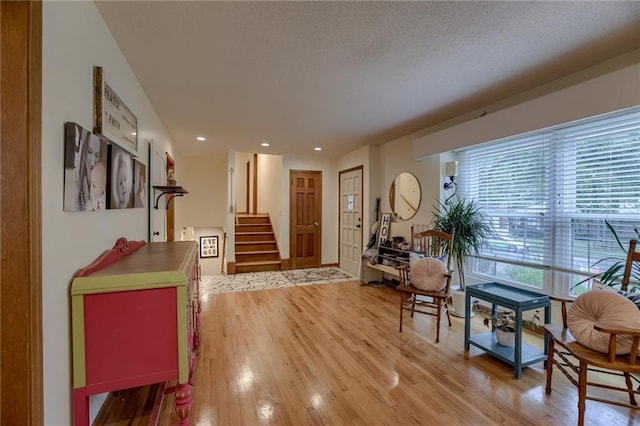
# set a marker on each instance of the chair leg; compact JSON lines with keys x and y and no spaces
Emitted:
{"x":582,"y":392}
{"x":549,"y":363}
{"x":446,"y":309}
{"x":413,"y":305}
{"x":632,"y":398}
{"x":438,"y":313}
{"x":401,"y":309}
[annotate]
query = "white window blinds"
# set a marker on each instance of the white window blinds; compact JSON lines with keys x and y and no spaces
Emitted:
{"x":549,"y":192}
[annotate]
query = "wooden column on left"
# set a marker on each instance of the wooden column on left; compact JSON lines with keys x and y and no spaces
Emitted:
{"x":21,"y":389}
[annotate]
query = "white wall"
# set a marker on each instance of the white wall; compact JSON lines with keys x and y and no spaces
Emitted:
{"x":206,"y":181}
{"x":395,"y":158}
{"x":208,"y":265}
{"x":75,"y":38}
{"x":270,"y":199}
{"x":604,"y":91}
{"x":240,"y":181}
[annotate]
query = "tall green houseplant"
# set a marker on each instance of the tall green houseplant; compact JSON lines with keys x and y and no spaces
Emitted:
{"x":472,"y":228}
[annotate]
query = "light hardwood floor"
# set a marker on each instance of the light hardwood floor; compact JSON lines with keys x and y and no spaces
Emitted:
{"x":332,"y":354}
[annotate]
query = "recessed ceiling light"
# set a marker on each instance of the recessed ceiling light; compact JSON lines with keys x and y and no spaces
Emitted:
{"x":264,"y":144}
{"x":201,"y":138}
{"x":317,"y":148}
{"x":133,"y":133}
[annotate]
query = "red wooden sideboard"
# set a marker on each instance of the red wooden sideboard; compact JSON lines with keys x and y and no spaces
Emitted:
{"x":135,"y":317}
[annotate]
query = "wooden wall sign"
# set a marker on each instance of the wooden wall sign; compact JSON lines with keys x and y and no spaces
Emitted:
{"x":112,"y":118}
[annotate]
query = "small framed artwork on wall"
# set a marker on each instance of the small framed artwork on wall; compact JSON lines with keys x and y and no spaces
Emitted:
{"x":209,"y":246}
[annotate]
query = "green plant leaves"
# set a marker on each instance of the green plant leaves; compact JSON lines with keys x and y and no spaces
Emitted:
{"x":470,"y":226}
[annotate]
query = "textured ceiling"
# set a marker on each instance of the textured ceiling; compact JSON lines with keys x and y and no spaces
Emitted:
{"x":341,"y":75}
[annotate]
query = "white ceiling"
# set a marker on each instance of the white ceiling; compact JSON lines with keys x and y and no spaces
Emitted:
{"x":341,"y":75}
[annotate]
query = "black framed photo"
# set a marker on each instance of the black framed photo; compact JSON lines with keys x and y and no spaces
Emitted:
{"x":209,"y":246}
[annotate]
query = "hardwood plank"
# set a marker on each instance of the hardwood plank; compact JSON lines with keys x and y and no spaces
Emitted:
{"x":332,"y":354}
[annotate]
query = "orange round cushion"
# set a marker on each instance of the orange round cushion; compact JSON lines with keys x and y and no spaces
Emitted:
{"x":428,"y":274}
{"x":607,"y":309}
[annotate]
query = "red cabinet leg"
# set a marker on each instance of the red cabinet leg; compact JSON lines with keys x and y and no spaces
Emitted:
{"x":184,"y":399}
{"x":80,"y":407}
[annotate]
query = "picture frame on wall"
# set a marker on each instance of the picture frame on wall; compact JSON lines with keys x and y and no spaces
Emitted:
{"x":112,"y":117}
{"x":139,"y":184}
{"x":121,"y":179}
{"x":85,"y":170}
{"x":209,"y":246}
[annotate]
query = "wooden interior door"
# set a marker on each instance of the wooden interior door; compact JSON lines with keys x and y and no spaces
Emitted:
{"x":350,"y":220}
{"x":171,"y":168}
{"x":306,"y":218}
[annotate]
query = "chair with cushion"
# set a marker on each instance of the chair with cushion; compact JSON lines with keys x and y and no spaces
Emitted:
{"x":425,"y":283}
{"x":600,"y":332}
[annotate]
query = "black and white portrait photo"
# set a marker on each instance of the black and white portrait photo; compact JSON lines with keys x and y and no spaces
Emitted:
{"x":140,"y":184}
{"x":121,"y":180}
{"x":85,"y":170}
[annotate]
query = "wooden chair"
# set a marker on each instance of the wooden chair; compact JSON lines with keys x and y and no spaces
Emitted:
{"x":432,"y":243}
{"x":575,"y":360}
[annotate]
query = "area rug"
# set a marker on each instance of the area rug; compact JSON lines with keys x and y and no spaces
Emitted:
{"x":252,"y":281}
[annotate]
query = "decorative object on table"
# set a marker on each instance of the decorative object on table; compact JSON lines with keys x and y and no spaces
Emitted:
{"x":472,"y":230}
{"x":209,"y":246}
{"x":590,"y":339}
{"x":612,"y":276}
{"x":383,"y":228}
{"x":171,"y":178}
{"x":503,"y":321}
{"x":112,"y":118}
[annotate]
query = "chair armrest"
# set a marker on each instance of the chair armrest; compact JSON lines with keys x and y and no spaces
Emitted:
{"x":623,"y":331}
{"x":563,"y":301}
{"x":613,"y":332}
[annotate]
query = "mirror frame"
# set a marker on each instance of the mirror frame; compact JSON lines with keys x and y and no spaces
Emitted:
{"x":407,"y":194}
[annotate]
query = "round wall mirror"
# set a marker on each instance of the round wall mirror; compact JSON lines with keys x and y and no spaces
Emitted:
{"x":405,"y":195}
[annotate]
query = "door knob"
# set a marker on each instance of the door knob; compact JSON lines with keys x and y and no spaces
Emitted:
{"x":157,"y":233}
{"x":316,"y":224}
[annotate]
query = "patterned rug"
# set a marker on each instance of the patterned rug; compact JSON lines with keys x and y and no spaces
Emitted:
{"x":252,"y":281}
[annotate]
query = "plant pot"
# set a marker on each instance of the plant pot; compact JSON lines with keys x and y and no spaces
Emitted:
{"x":457,"y":305}
{"x":506,"y":338}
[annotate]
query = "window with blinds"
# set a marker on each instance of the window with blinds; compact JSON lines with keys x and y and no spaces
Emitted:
{"x":548,"y":194}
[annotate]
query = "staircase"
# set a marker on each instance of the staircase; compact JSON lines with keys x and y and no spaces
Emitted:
{"x":256,"y":246}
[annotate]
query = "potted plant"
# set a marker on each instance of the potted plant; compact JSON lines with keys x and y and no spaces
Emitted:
{"x":503,"y":322}
{"x":613,"y":274}
{"x":471,"y":228}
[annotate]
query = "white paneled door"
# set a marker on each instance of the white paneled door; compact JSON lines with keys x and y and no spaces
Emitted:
{"x":351,"y":220}
{"x":158,"y":177}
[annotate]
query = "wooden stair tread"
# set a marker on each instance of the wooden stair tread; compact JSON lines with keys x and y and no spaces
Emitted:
{"x":255,"y":233}
{"x":256,"y":245}
{"x":255,"y":242}
{"x":261,"y":262}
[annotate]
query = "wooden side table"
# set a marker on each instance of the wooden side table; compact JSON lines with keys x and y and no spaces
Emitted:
{"x":517,"y":300}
